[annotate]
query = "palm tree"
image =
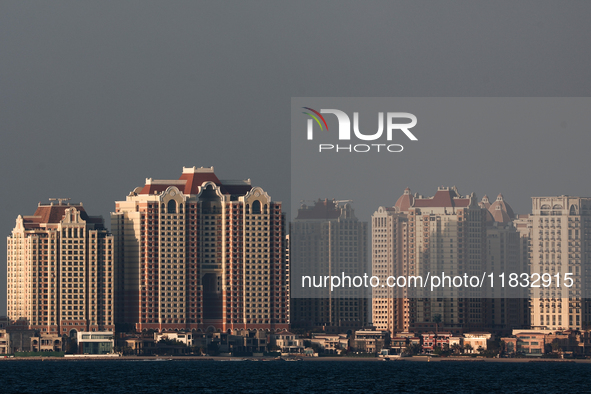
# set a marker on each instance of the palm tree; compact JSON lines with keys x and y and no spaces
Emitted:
{"x":468,"y":348}
{"x":556,"y":346}
{"x":437,"y":320}
{"x":456,"y":347}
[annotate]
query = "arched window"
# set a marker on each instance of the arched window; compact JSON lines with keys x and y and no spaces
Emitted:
{"x":573,"y":210}
{"x":256,"y":207}
{"x":172,"y":206}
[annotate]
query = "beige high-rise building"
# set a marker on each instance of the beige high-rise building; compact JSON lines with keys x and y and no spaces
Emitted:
{"x":522,"y":223}
{"x":455,"y":235}
{"x":421,"y":236}
{"x":560,"y":238}
{"x":391,"y":308}
{"x":506,"y":307}
{"x":328,"y":239}
{"x":200,"y":253}
{"x":59,"y":271}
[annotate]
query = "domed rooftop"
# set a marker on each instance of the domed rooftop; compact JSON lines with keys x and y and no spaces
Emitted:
{"x":484,"y":203}
{"x":405,"y":201}
{"x":501,"y":211}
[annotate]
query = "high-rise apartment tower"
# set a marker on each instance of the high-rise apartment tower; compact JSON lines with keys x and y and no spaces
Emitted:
{"x":60,"y":271}
{"x":200,"y":253}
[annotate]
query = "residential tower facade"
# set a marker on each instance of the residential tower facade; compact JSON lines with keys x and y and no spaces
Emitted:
{"x":200,"y":253}
{"x":60,"y":271}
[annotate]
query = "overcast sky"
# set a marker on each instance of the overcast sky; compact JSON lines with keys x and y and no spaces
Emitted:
{"x":97,"y":96}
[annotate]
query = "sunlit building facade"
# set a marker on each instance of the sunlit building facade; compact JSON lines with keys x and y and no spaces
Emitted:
{"x":60,"y":271}
{"x":200,"y":253}
{"x":560,"y":241}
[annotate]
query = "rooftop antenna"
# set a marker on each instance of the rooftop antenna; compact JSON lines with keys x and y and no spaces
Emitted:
{"x":60,"y":200}
{"x":307,"y":201}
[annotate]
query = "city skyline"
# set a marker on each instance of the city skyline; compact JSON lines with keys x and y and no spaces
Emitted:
{"x":357,"y":206}
{"x":100,"y":98}
{"x":220,"y":209}
{"x":96,"y":97}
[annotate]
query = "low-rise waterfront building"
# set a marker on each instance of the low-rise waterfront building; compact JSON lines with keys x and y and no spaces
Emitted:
{"x":477,"y":340}
{"x":370,"y":341}
{"x":403,"y":340}
{"x":331,"y":343}
{"x":4,"y":342}
{"x":95,"y":342}
{"x":287,"y":342}
{"x":185,"y":338}
{"x":432,"y":340}
{"x":46,"y":342}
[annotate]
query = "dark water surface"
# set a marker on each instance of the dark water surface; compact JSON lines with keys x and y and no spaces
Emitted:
{"x":312,"y":377}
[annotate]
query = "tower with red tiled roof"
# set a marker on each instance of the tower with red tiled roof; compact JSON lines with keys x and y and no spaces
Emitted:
{"x":200,"y":253}
{"x":447,"y":232}
{"x":59,"y":268}
{"x":506,"y":308}
{"x":501,"y":211}
{"x":442,"y":233}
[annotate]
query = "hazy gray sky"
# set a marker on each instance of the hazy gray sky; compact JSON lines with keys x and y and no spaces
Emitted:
{"x":518,"y":146}
{"x":97,"y":96}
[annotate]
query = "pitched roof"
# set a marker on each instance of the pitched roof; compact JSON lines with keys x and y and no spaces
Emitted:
{"x":484,"y":203}
{"x":53,"y":214}
{"x":445,"y":197}
{"x":405,"y":201}
{"x":190,"y":181}
{"x":501,"y":211}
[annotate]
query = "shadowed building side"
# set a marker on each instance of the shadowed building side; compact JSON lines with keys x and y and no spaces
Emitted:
{"x":327,"y":239}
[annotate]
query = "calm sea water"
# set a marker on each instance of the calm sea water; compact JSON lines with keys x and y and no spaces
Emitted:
{"x":311,"y":377}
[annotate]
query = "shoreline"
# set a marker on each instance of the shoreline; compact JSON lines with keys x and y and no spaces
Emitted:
{"x":304,"y":359}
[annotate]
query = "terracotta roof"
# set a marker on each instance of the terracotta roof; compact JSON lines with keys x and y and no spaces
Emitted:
{"x":159,"y":188}
{"x":54,"y":213}
{"x":500,"y":215}
{"x":501,"y":211}
{"x":484,"y":203}
{"x":447,"y":197}
{"x":189,"y":183}
{"x":405,"y":201}
{"x":47,"y":214}
{"x":196,"y":179}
